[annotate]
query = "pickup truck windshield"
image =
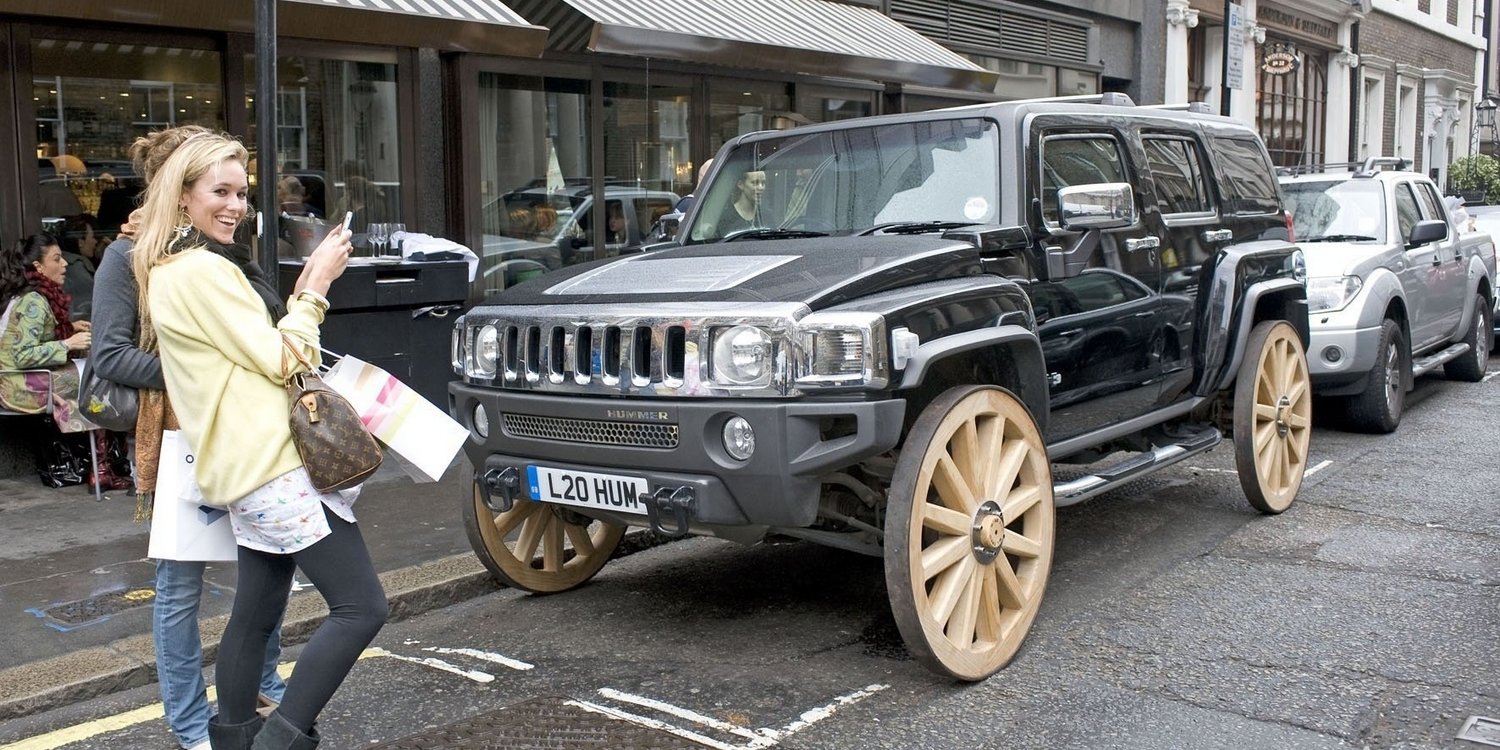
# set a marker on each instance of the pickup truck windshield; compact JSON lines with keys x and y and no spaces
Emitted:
{"x":848,"y":181}
{"x":1346,"y":210}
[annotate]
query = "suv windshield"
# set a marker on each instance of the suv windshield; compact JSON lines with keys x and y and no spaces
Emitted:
{"x":848,"y":181}
{"x":1350,"y":210}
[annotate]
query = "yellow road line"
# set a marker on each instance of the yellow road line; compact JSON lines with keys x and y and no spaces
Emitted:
{"x":105,"y":724}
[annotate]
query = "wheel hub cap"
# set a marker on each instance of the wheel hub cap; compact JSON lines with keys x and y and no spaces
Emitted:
{"x":988,"y":532}
{"x":1283,"y":407}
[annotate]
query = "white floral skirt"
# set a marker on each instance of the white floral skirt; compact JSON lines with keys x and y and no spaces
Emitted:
{"x":285,"y":515}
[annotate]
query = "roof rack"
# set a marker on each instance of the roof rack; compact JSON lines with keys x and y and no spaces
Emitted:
{"x":1364,"y":168}
{"x":1108,"y":98}
{"x":1197,"y":108}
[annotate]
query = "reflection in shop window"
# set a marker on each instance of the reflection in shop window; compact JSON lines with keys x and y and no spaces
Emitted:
{"x":534,"y":179}
{"x":92,"y":100}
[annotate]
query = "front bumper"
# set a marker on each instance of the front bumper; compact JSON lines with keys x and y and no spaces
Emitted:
{"x":796,"y":445}
{"x":1357,"y":350}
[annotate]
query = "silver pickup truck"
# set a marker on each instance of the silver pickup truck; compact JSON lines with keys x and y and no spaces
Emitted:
{"x":1394,"y":288}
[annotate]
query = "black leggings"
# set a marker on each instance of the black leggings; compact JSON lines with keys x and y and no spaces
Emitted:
{"x":339,"y":566}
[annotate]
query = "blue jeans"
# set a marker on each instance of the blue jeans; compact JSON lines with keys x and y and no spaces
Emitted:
{"x":179,"y":651}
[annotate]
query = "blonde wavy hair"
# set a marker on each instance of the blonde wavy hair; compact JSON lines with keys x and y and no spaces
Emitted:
{"x":161,"y":211}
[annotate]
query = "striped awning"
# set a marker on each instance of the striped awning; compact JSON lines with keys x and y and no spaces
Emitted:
{"x":488,"y":26}
{"x":801,"y":36}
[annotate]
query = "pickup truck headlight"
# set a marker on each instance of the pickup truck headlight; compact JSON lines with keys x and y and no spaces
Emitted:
{"x":843,"y":349}
{"x":484,"y":353}
{"x":1331,"y":293}
{"x":741,"y":356}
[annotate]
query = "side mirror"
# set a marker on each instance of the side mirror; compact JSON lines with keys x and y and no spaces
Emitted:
{"x":666,"y":227}
{"x":1427,"y":231}
{"x":1104,"y":205}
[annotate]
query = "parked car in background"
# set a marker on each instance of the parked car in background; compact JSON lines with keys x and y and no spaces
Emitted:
{"x":1486,"y":219}
{"x":1394,"y":288}
{"x":533,"y":230}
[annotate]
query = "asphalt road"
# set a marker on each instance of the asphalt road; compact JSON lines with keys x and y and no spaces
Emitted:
{"x":1367,"y":616}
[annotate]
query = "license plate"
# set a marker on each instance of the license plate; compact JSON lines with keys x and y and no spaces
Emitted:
{"x":587,"y":489}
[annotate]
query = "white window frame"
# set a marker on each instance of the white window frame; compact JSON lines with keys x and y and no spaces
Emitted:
{"x":1372,"y":115}
{"x":1406,"y":118}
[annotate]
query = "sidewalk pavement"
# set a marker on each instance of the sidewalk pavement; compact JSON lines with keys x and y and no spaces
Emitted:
{"x":76,"y":587}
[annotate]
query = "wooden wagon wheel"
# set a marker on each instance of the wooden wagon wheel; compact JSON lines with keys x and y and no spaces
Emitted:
{"x":536,"y":559}
{"x":969,"y":531}
{"x":1272,"y":416}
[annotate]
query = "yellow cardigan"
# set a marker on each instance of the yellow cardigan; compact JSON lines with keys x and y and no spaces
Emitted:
{"x":225,"y":369}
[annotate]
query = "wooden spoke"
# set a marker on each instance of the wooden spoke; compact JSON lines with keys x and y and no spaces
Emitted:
{"x":528,"y":546}
{"x":966,"y":582}
{"x":1272,"y":416}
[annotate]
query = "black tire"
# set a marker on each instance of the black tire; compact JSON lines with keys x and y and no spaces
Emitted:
{"x":1470,"y":367}
{"x":1378,"y":408}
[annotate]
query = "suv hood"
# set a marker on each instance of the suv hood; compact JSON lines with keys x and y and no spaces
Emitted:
{"x":818,"y":272}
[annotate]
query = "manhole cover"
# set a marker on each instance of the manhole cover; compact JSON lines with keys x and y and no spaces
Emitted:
{"x":1481,"y":729}
{"x":542,"y":724}
{"x":70,"y":615}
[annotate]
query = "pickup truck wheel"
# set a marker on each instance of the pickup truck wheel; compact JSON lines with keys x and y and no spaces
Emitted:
{"x":1379,"y":407}
{"x":969,"y":531}
{"x":1272,"y":416}
{"x":1470,"y":367}
{"x":536,"y":558}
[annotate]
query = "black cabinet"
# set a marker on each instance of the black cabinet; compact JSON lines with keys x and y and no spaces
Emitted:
{"x":397,"y":316}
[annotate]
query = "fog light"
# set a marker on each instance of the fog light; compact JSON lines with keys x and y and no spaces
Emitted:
{"x":739,"y":438}
{"x":1332,"y":354}
{"x":481,"y":421}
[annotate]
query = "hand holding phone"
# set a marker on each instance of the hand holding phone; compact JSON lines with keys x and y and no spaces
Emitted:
{"x":348,"y":218}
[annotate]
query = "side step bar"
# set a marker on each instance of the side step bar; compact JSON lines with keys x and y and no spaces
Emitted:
{"x":1430,"y":362}
{"x":1122,"y":472}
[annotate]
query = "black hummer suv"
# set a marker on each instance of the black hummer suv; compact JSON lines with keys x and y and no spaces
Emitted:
{"x":881,"y":334}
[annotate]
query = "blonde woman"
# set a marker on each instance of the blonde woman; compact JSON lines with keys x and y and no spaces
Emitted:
{"x":225,"y":364}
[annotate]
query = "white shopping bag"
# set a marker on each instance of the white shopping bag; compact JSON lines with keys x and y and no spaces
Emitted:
{"x":182,"y":526}
{"x":423,"y":437}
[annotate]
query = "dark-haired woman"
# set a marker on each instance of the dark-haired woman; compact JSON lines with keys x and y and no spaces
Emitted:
{"x":36,"y":335}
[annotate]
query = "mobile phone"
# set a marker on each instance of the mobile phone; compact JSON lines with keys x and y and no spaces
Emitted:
{"x":348,"y":217}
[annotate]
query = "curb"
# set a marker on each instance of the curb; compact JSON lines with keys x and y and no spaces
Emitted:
{"x":130,"y":662}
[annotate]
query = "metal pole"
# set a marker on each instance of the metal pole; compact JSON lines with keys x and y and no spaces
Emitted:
{"x":265,"y":135}
{"x":1224,"y":73}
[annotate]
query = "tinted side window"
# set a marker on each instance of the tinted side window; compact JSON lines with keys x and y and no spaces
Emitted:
{"x":1178,"y":174}
{"x":1407,"y":211}
{"x":1245,"y":176}
{"x":1077,"y":160}
{"x":1430,"y":202}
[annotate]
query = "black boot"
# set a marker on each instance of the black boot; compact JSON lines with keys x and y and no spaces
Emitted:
{"x":278,"y":734}
{"x":233,"y":736}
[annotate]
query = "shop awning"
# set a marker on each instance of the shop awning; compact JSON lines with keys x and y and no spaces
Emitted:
{"x":798,"y":36}
{"x":488,"y":26}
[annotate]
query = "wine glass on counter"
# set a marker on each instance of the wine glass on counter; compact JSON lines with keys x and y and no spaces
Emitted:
{"x":377,"y":233}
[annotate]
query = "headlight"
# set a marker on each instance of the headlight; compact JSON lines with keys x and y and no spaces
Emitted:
{"x":485,"y":353}
{"x":1331,"y":293}
{"x":843,"y":349}
{"x":741,"y":356}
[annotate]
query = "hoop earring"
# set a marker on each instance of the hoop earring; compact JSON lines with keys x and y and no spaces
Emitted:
{"x":184,"y":223}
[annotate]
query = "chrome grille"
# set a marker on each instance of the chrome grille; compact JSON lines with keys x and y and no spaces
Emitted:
{"x":597,"y":431}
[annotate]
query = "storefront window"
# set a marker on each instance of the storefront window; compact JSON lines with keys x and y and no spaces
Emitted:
{"x":822,"y":105}
{"x":738,"y":107}
{"x":337,"y":142}
{"x":647,"y":157}
{"x":536,"y":195}
{"x":92,"y":100}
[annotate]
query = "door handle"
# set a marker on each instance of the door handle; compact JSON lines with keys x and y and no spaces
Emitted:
{"x":1142,"y":243}
{"x":1218,"y":235}
{"x":1143,"y":314}
{"x":1071,"y":332}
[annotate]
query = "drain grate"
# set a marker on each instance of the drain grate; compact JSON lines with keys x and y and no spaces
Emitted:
{"x":76,"y":614}
{"x":542,"y":724}
{"x":1481,"y":729}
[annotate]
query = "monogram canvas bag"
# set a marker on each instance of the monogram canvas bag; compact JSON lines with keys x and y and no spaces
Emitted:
{"x":335,"y":447}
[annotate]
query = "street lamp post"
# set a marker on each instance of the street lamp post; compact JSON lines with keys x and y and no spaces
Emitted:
{"x":1484,"y":117}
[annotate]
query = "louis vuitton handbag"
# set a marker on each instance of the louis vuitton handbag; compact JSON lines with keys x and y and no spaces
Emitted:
{"x":335,"y":447}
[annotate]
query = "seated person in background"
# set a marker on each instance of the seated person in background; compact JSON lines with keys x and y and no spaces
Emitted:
{"x":35,"y":334}
{"x":77,"y":242}
{"x":744,"y":212}
{"x":615,"y":232}
{"x":292,"y":196}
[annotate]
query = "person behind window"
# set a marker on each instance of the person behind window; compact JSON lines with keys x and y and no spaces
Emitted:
{"x":77,"y":243}
{"x":616,"y":231}
{"x":292,"y":196}
{"x":226,"y":364}
{"x":36,"y":334}
{"x":744,"y":212}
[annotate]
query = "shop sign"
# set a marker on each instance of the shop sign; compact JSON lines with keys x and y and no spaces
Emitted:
{"x":1279,"y":59}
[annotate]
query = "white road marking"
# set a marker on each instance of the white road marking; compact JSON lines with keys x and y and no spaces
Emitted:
{"x":1321,"y":466}
{"x":756,"y":739}
{"x":488,"y":656}
{"x":1489,"y":376}
{"x":616,"y":713}
{"x":1213,"y":470}
{"x":439,"y":664}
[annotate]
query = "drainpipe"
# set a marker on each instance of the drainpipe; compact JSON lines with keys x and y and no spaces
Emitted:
{"x":265,"y":136}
